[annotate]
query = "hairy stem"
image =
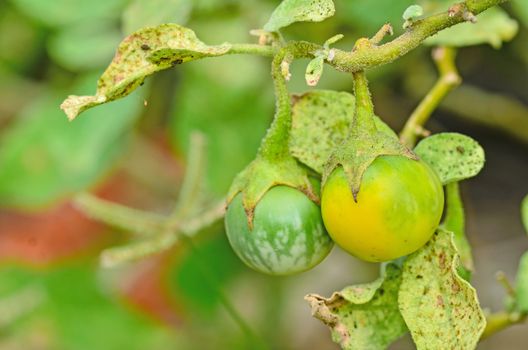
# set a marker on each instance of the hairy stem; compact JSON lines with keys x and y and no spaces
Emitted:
{"x":449,"y":79}
{"x":347,"y":61}
{"x":363,"y":120}
{"x":252,"y":49}
{"x":275,"y":143}
{"x":418,"y":32}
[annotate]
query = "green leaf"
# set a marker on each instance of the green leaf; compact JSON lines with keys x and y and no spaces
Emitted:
{"x":524,"y":213}
{"x":141,"y":54}
{"x":144,"y":13}
{"x":521,"y":292}
{"x":412,"y":12}
{"x":493,"y":27}
{"x":440,"y":308}
{"x":43,"y":157}
{"x":321,"y":121}
{"x":453,"y":156}
{"x":84,"y":46}
{"x":364,"y":316}
{"x":314,"y":70}
{"x":65,"y":12}
{"x":291,"y":11}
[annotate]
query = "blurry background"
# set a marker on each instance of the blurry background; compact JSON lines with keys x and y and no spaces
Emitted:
{"x":54,"y":295}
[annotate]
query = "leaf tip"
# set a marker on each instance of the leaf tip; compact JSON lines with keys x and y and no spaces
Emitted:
{"x":75,"y":105}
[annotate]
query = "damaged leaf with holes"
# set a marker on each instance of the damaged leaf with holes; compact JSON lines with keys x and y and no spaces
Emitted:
{"x":139,"y":55}
{"x":431,"y":289}
{"x":363,"y":316}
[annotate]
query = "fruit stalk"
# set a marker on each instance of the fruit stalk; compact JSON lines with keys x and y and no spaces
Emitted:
{"x":363,"y":120}
{"x":275,"y":144}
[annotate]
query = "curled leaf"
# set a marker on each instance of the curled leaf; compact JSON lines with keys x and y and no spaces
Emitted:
{"x":412,"y":12}
{"x":363,"y":316}
{"x":314,"y":70}
{"x":291,"y":11}
{"x":440,"y":308}
{"x":453,"y":156}
{"x":139,"y":55}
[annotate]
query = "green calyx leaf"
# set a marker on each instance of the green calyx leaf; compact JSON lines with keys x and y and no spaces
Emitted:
{"x":291,"y":11}
{"x":365,"y":142}
{"x":327,"y":114}
{"x":359,"y":151}
{"x":364,"y":316}
{"x":494,"y":26}
{"x":141,"y":54}
{"x":431,"y":289}
{"x":453,"y":156}
{"x":262,"y":174}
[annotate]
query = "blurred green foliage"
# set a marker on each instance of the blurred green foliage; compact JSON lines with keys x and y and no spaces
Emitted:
{"x":76,"y":313}
{"x":60,"y":47}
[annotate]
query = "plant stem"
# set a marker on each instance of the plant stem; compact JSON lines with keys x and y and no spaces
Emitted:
{"x":252,"y":49}
{"x":385,"y":30}
{"x":350,"y":62}
{"x":499,"y":112}
{"x":455,"y":222}
{"x":118,"y":215}
{"x":193,"y":180}
{"x":163,"y":239}
{"x":275,"y":143}
{"x":496,"y":322}
{"x":420,"y":30}
{"x":118,"y":255}
{"x":444,"y":58}
{"x":363,"y":119}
